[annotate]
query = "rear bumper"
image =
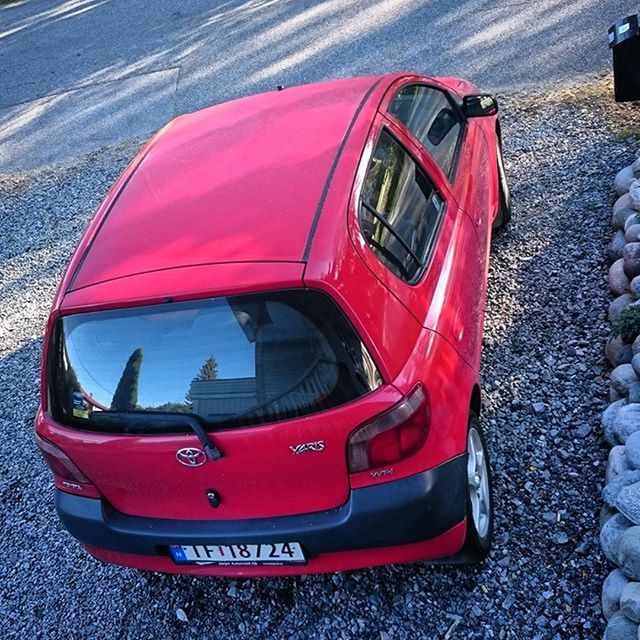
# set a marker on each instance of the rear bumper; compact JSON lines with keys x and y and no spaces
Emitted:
{"x":409,"y":511}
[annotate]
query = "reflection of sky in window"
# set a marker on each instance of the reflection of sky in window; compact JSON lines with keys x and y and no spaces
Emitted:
{"x":175,"y":344}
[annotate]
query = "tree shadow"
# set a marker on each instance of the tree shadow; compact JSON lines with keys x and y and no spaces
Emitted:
{"x":140,"y":68}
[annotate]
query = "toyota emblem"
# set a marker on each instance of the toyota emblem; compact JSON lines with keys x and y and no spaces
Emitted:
{"x":191,"y":457}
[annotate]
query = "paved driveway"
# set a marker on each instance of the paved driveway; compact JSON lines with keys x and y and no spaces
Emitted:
{"x":80,"y":74}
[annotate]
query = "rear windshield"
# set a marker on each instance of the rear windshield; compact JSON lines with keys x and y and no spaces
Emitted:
{"x":232,"y":362}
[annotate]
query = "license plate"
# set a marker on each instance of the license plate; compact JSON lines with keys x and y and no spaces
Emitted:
{"x":278,"y":553}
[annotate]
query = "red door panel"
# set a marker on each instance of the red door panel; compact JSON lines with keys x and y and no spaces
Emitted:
{"x":411,"y":296}
{"x":456,"y":290}
{"x":449,"y":298}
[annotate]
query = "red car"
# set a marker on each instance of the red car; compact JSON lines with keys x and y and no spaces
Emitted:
{"x":263,"y":357}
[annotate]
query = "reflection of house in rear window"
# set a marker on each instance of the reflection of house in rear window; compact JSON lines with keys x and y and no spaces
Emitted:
{"x":223,"y":397}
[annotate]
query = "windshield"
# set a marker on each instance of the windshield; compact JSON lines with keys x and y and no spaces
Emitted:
{"x":233,"y":361}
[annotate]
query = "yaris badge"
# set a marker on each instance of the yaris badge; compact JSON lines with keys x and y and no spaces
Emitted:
{"x":297,"y":449}
{"x":191,"y":457}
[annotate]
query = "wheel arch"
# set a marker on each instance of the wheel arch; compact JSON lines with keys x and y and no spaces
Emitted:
{"x":498,"y":129}
{"x":475,"y":404}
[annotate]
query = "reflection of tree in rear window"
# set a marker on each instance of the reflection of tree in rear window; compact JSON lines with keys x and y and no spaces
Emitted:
{"x":232,"y":361}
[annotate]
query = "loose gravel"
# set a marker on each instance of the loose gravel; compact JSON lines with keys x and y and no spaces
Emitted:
{"x":545,"y":388}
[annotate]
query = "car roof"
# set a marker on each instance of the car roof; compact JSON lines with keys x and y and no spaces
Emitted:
{"x":238,"y":182}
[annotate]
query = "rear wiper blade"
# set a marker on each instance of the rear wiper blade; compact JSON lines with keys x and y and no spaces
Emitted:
{"x":168,"y":419}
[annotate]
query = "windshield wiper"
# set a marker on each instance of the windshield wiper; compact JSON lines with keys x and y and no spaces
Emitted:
{"x":168,"y":420}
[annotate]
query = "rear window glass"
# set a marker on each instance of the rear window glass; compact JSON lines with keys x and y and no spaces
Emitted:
{"x":231,"y":361}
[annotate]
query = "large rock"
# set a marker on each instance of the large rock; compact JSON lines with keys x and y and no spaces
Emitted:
{"x":617,"y":351}
{"x":635,"y":347}
{"x":634,"y":392}
{"x":623,"y":202}
{"x":617,"y":463}
{"x":625,"y":177}
{"x":611,"y":535}
{"x":612,"y":589}
{"x":634,"y":195}
{"x":619,"y":304}
{"x":630,"y":601}
{"x":623,"y":180}
{"x":620,"y":628}
{"x":619,"y":217}
{"x":632,"y":220}
{"x":623,"y":376}
{"x":618,"y":280}
{"x":635,"y":363}
{"x":627,"y":549}
{"x":631,"y":258}
{"x":610,"y":417}
{"x":628,"y":502}
{"x":623,"y":422}
{"x":634,"y":286}
{"x":631,"y":233}
{"x":614,"y":250}
{"x":606,"y":512}
{"x":623,"y":479}
{"x":632,"y":450}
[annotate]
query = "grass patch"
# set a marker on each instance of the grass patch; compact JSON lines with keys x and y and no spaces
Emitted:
{"x":597,"y":94}
{"x":626,"y":133}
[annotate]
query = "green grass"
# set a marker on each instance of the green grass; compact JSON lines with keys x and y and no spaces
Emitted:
{"x":625,"y":133}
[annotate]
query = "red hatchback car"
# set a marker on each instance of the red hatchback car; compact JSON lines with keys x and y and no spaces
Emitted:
{"x":263,"y":357}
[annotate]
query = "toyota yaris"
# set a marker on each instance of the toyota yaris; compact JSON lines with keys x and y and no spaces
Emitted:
{"x":263,"y":356}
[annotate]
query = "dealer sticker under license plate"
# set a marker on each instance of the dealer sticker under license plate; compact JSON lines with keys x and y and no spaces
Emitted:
{"x":278,"y":553}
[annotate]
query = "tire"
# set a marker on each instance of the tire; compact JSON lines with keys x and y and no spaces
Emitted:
{"x":503,"y":216}
{"x":479,"y":513}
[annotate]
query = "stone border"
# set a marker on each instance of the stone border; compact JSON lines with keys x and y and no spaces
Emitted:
{"x":620,"y":516}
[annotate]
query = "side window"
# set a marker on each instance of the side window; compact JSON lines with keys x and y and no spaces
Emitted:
{"x":400,"y":210}
{"x":432,"y":119}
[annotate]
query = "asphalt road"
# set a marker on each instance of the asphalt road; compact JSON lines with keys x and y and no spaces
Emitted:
{"x":81,"y":74}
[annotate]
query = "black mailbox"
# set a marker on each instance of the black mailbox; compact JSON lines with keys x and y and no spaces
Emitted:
{"x":624,"y":41}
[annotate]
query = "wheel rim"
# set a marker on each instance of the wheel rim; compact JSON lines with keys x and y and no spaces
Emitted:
{"x":478,"y":481}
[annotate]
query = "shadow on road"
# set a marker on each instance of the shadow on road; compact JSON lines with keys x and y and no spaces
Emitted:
{"x":81,"y":74}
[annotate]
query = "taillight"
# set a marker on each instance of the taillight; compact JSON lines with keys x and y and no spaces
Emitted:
{"x":65,"y":473}
{"x":392,"y":436}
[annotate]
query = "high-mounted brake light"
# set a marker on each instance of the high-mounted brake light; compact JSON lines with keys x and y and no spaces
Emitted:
{"x":392,"y":436}
{"x":66,"y":475}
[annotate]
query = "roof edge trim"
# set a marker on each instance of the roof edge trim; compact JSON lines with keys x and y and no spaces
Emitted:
{"x":327,"y":184}
{"x":131,"y":169}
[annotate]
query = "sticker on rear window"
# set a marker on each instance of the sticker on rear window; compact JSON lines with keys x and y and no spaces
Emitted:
{"x":80,"y":405}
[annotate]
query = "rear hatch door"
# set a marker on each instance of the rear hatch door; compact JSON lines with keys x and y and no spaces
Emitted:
{"x":278,"y":380}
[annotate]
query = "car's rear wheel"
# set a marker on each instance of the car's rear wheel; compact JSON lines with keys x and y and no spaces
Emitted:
{"x":503,"y":216}
{"x":479,"y":495}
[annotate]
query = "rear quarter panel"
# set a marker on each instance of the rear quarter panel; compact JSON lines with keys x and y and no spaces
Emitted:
{"x":448,"y":381}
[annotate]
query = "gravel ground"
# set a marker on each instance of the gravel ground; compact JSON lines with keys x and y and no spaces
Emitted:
{"x":544,"y":380}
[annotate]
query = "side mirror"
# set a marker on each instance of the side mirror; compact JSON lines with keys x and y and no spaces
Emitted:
{"x":480,"y":105}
